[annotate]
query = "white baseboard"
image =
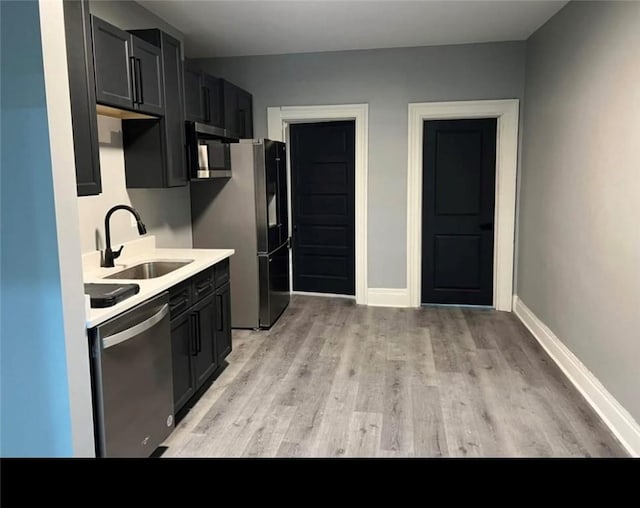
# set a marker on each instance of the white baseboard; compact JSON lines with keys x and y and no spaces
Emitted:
{"x":388,"y":297}
{"x":616,"y":417}
{"x":326,"y":295}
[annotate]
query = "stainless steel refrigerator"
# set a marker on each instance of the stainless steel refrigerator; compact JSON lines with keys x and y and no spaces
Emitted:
{"x":248,"y":212}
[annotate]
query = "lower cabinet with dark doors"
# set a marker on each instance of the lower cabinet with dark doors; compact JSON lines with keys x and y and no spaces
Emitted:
{"x":200,"y":331}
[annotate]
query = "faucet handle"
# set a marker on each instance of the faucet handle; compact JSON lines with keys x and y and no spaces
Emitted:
{"x":116,"y":254}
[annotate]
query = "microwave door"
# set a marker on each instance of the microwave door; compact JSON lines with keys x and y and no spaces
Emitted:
{"x":203,"y":160}
{"x":213,"y":159}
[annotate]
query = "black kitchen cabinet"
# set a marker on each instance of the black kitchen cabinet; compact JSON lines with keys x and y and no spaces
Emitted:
{"x":182,"y":351}
{"x":213,"y":107}
{"x":200,"y":310}
{"x":223,"y":321}
{"x":203,"y":96}
{"x":193,"y":93}
{"x":231,"y":117}
{"x":206,"y":358}
{"x":154,"y":150}
{"x":149,"y":91}
{"x":245,"y":114}
{"x":217,"y":102}
{"x":238,"y":111}
{"x":128,"y":70}
{"x":83,"y":100}
{"x":113,"y":62}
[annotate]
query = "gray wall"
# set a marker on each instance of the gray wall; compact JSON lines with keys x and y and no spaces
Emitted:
{"x":387,"y":80}
{"x":166,"y":212}
{"x":579,"y":266}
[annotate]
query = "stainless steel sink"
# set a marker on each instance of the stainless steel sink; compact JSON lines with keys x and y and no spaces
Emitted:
{"x":149,"y":270}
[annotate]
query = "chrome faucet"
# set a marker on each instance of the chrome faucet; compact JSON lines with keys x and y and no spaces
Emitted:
{"x":109,"y":255}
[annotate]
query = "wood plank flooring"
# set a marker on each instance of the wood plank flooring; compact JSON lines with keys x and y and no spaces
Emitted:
{"x":333,"y":379}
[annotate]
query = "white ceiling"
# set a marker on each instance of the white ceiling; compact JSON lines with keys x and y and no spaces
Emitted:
{"x":261,"y":27}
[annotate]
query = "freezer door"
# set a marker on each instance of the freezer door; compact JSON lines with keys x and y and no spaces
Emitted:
{"x":274,"y":285}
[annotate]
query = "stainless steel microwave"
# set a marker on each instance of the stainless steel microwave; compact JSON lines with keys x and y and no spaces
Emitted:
{"x":208,"y":152}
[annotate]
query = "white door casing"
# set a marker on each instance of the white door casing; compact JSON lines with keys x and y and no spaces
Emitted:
{"x":278,"y":121}
{"x":506,"y":112}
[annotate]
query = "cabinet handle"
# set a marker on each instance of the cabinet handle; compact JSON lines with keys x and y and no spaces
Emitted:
{"x":134,"y":80}
{"x":219,"y":319}
{"x":140,"y":96}
{"x":193,"y":342}
{"x":202,"y":287}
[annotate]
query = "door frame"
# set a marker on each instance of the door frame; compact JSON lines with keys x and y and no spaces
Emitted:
{"x":278,"y":121}
{"x":506,"y":113}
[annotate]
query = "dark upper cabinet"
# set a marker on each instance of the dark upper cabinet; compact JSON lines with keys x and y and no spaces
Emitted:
{"x":128,"y":70}
{"x":217,"y":102}
{"x":231,"y":117}
{"x":148,"y":77}
{"x":213,"y":107}
{"x":238,"y":111}
{"x":82,"y":94}
{"x":245,"y":114}
{"x":113,"y":63}
{"x":223,"y":322}
{"x":193,"y":93}
{"x":203,"y":96}
{"x":155,"y":149}
{"x":174,"y":111}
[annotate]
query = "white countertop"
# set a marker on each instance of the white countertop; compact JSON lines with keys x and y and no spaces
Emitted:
{"x":140,"y":251}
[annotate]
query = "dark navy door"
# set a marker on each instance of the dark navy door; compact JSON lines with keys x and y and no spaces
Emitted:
{"x":458,"y":204}
{"x":323,"y":199}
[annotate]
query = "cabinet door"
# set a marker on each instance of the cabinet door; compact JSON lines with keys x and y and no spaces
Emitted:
{"x":206,"y":360}
{"x":193,"y":93}
{"x":214,"y":107}
{"x":183,"y":349}
{"x":245,"y":114}
{"x":113,"y":62}
{"x":174,"y":142}
{"x":149,"y":92}
{"x":223,"y":321}
{"x":231,"y":121}
{"x":83,"y":97}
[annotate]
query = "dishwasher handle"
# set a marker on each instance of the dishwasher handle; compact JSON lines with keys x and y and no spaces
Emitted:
{"x":129,"y":333}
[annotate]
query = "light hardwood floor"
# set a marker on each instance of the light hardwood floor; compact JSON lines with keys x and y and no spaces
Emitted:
{"x":335,"y":379}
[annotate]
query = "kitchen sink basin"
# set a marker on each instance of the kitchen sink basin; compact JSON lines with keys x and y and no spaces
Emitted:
{"x":149,"y":270}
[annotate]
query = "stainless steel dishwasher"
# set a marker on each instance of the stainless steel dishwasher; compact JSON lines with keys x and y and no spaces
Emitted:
{"x":132,"y":380}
